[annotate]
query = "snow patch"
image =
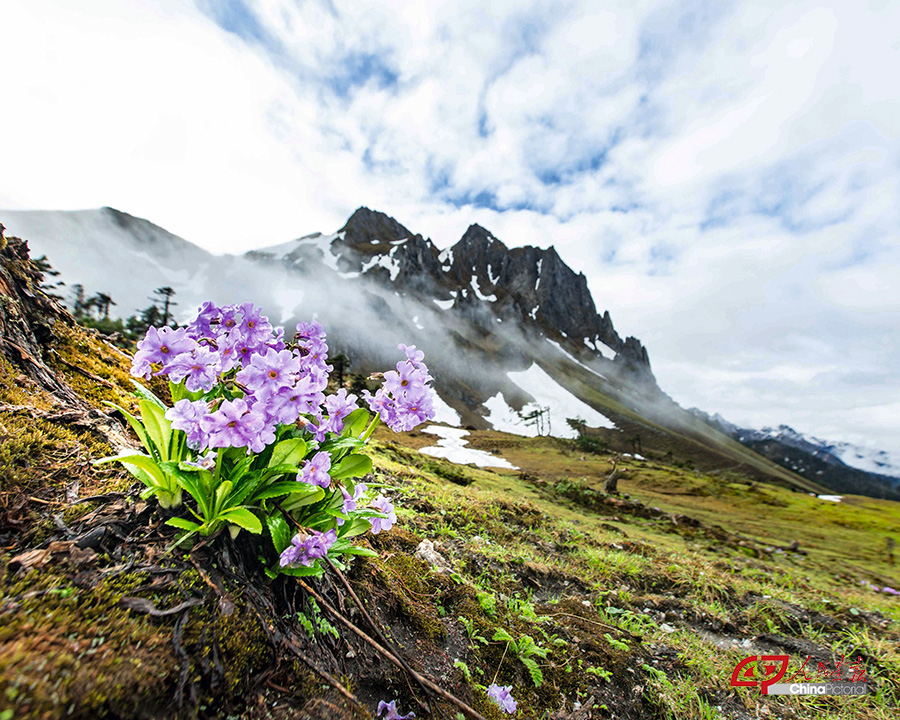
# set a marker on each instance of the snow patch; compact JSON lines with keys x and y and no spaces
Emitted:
{"x":443,"y":413}
{"x":478,"y":293}
{"x":386,"y":261}
{"x":417,"y":323}
{"x":443,"y":304}
{"x":537,"y":283}
{"x":491,"y":275}
{"x":547,"y":393}
{"x":445,"y":258}
{"x":533,"y":312}
{"x":573,"y":359}
{"x":831,"y":498}
{"x":452,"y":447}
{"x":604,"y":350}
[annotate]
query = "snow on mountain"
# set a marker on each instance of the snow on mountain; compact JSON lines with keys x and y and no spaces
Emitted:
{"x":560,"y":404}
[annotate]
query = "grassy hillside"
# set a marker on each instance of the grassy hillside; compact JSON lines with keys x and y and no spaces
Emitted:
{"x":636,"y":605}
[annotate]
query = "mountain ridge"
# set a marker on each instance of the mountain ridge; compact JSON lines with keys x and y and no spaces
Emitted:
{"x":512,"y":330}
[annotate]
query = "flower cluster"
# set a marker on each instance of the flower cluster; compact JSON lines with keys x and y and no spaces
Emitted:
{"x":237,"y":343}
{"x":500,"y":694}
{"x":239,"y":385}
{"x":405,"y":399}
{"x":305,"y":551}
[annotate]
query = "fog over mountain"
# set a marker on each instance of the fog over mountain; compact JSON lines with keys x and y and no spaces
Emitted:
{"x":507,"y":332}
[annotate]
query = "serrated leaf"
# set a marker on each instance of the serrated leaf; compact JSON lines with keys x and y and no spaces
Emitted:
{"x":315,"y":570}
{"x":355,"y":527}
{"x":279,"y":530}
{"x":361,"y":551}
{"x":503,"y":636}
{"x":341,"y":443}
{"x":537,"y":677}
{"x":296,"y":500}
{"x":244,"y":518}
{"x":288,"y":452}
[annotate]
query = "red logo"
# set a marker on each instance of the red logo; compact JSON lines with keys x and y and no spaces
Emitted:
{"x":771,"y":667}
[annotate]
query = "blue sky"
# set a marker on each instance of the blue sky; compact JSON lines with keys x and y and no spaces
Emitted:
{"x":726,"y":174}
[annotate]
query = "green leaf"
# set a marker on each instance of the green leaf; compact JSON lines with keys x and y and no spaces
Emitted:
{"x":537,"y":677}
{"x":244,"y":518}
{"x":356,"y":550}
{"x":144,"y":462}
{"x":271,"y":472}
{"x":341,"y":443}
{"x":303,"y":571}
{"x":288,"y":452}
{"x":138,"y":429}
{"x":188,"y":525}
{"x":355,"y":527}
{"x":222,"y":493}
{"x":279,"y":530}
{"x":296,"y":500}
{"x":158,"y":428}
{"x":196,"y":489}
{"x":287,"y":487}
{"x":502,"y":635}
{"x":355,"y":423}
{"x":146,"y":394}
{"x":353,"y":465}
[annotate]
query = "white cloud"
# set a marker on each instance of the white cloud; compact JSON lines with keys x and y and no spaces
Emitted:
{"x":726,"y":176}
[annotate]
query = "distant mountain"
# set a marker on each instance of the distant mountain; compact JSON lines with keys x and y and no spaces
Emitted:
{"x":843,"y":467}
{"x":512,"y":335}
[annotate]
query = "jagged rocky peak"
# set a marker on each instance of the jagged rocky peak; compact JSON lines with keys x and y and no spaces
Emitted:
{"x":370,"y":228}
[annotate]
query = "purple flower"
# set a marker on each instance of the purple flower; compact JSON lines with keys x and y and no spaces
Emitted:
{"x":186,"y":416}
{"x":315,"y":471}
{"x":160,"y":346}
{"x":265,"y":374}
{"x":500,"y":695}
{"x":382,"y":505}
{"x":235,"y":425}
{"x":392,"y":713}
{"x":207,"y":462}
{"x":351,"y":502}
{"x":309,"y":331}
{"x":208,"y":315}
{"x":255,"y":327}
{"x":405,"y":400}
{"x":200,"y":370}
{"x":414,"y":356}
{"x":313,"y":356}
{"x":339,"y":406}
{"x":889,"y":590}
{"x":306,"y":550}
